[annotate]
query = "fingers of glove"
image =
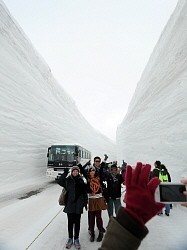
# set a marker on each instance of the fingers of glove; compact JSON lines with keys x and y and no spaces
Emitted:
{"x":136,"y":173}
{"x":139,"y":164}
{"x":128,"y":175}
{"x":153,"y":184}
{"x":144,"y":175}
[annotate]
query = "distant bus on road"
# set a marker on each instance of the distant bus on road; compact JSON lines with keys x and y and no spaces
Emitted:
{"x":61,"y":157}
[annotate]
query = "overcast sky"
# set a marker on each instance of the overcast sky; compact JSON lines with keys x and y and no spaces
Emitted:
{"x":96,"y":49}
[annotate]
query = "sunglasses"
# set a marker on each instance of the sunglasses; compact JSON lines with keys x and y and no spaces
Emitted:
{"x":93,"y":170}
{"x":97,"y":161}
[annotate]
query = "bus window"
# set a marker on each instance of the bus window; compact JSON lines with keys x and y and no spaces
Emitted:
{"x":80,"y":152}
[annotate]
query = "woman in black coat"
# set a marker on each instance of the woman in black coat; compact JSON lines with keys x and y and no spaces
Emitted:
{"x":76,"y":201}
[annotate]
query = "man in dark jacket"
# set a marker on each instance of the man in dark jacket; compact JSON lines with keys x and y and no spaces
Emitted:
{"x":114,"y":181}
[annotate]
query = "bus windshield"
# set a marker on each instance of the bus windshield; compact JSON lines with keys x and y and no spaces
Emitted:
{"x":62,"y":153}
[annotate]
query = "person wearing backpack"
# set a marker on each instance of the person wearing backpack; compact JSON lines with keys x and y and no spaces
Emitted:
{"x":76,"y":200}
{"x":161,"y":172}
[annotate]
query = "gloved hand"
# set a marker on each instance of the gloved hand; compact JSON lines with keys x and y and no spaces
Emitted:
{"x":139,"y":198}
{"x":79,"y":165}
{"x":105,"y":157}
{"x":86,"y":207}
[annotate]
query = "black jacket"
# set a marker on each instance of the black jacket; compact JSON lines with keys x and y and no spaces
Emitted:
{"x":114,"y":185}
{"x":76,"y":193}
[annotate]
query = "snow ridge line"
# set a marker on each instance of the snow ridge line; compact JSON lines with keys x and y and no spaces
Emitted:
{"x":43,"y":229}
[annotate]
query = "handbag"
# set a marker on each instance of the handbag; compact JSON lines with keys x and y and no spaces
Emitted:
{"x":63,"y":197}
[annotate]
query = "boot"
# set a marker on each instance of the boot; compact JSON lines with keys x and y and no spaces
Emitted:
{"x":92,"y":237}
{"x":100,"y":237}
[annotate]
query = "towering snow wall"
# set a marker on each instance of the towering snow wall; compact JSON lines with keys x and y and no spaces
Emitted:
{"x":35,"y":111}
{"x":155,"y":127}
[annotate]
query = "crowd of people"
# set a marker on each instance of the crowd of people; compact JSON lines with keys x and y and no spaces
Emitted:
{"x":102,"y":191}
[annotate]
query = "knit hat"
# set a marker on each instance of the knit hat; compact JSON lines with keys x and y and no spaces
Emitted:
{"x":113,"y":166}
{"x":75,"y":168}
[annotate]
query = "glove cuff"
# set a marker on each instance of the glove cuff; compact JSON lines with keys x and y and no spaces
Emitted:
{"x":128,"y":221}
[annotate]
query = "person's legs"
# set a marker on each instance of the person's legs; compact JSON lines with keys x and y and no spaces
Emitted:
{"x":117,"y":204}
{"x":70,"y":230}
{"x":99,"y":220}
{"x":77,"y":230}
{"x":88,"y":221}
{"x":92,"y":225}
{"x":99,"y":225}
{"x":77,"y":226}
{"x":167,"y":209}
{"x":91,"y":220}
{"x":70,"y":224}
{"x":110,"y":208}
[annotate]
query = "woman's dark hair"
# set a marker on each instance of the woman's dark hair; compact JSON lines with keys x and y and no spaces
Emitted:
{"x":90,"y":169}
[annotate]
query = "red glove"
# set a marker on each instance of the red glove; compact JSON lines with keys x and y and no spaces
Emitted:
{"x":139,"y":198}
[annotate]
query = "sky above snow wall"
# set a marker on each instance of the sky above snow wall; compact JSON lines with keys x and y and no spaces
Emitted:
{"x":35,"y":112}
{"x":154,"y":127}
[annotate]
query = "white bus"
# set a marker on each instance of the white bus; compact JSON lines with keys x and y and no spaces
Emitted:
{"x":65,"y":156}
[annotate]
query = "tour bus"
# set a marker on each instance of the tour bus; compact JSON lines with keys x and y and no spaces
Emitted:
{"x":65,"y":156}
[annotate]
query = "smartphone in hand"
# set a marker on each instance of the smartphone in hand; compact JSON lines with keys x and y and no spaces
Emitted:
{"x":168,"y":192}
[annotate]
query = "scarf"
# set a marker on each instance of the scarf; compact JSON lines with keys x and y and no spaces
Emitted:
{"x":95,"y":184}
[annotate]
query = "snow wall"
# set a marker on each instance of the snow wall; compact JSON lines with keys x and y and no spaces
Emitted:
{"x":155,"y":126}
{"x":35,"y":112}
